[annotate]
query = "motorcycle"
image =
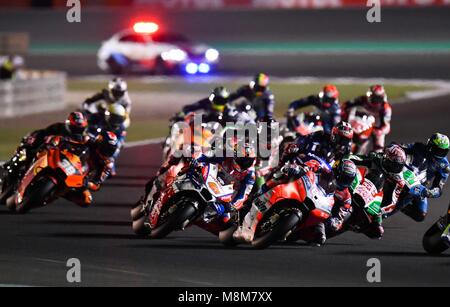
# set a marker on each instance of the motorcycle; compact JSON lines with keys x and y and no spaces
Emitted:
{"x":363,"y":126}
{"x":189,"y":198}
{"x":287,"y":210}
{"x":433,"y":242}
{"x":59,"y":168}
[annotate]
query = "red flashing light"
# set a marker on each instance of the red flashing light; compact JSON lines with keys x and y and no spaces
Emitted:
{"x":145,"y":27}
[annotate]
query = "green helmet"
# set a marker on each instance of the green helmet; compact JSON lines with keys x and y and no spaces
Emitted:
{"x":439,"y":145}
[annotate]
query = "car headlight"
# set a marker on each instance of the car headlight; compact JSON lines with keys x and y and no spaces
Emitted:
{"x":176,"y":55}
{"x":212,"y":55}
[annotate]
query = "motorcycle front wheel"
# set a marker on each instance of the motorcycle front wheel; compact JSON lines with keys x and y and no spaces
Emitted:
{"x":432,"y":241}
{"x":284,"y":223}
{"x":184,"y":211}
{"x":36,"y":195}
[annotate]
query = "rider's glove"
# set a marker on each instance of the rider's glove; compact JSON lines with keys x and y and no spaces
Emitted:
{"x":292,"y":149}
{"x":292,"y":171}
{"x":420,"y":191}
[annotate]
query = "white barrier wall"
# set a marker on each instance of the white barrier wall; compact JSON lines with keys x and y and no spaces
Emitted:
{"x":33,"y":92}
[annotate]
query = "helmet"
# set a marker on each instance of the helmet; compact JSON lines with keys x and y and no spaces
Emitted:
{"x":116,"y":116}
{"x":394,"y":159}
{"x":118,"y":87}
{"x":346,"y":173}
{"x":376,"y":95}
{"x":219,"y":98}
{"x":328,"y":95}
{"x":107,"y":144}
{"x":76,"y":125}
{"x":438,"y":145}
{"x":244,"y":156}
{"x":260,"y":83}
{"x":342,"y":136}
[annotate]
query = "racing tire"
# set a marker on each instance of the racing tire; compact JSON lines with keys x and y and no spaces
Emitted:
{"x":226,"y":236}
{"x":432,"y":242}
{"x":174,"y":221}
{"x":36,"y":195}
{"x":284,"y":225}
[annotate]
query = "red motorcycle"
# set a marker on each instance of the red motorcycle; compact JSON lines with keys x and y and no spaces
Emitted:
{"x":290,"y":209}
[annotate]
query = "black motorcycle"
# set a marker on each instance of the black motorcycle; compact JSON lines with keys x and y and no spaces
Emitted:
{"x":432,"y":242}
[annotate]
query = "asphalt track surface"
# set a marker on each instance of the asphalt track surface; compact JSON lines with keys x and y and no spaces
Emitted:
{"x":35,"y":247}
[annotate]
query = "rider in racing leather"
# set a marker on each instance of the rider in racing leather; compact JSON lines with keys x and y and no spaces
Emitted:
{"x":239,"y":168}
{"x":331,"y":147}
{"x":375,"y":103}
{"x":116,"y":94}
{"x":216,"y":107}
{"x":73,"y":131}
{"x":261,"y":98}
{"x":389,"y":166}
{"x":431,"y":157}
{"x":326,"y":102}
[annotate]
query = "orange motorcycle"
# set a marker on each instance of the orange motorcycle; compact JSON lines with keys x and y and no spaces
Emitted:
{"x":58,"y":169}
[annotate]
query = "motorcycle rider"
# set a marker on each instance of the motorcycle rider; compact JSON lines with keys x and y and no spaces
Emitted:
{"x":387,"y":167}
{"x":216,"y":107}
{"x":431,"y":157}
{"x":116,"y":94}
{"x":375,"y":103}
{"x":327,"y":104}
{"x":239,"y":169}
{"x":331,"y":147}
{"x":260,"y":97}
{"x":72,"y":131}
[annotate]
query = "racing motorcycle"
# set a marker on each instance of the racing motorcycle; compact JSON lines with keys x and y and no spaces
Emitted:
{"x":433,"y":241}
{"x":363,"y":126}
{"x":189,"y":198}
{"x":289,"y":210}
{"x":59,"y":168}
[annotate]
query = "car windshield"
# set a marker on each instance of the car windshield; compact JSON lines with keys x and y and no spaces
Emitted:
{"x":169,"y":38}
{"x":135,"y":38}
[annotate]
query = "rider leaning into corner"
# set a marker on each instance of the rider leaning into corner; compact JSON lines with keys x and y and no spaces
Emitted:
{"x":388,"y":166}
{"x":239,"y":169}
{"x":117,"y":93}
{"x":261,"y":98}
{"x":375,"y":103}
{"x":431,"y":157}
{"x":73,"y":131}
{"x":333,"y":148}
{"x":327,"y":104}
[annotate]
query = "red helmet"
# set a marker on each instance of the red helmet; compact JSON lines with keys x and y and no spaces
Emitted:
{"x":342,"y":136}
{"x":76,"y":124}
{"x":329,"y":95}
{"x":376,"y":95}
{"x":394,"y":159}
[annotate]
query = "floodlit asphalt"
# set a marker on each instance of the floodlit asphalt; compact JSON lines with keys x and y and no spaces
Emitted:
{"x":35,"y":247}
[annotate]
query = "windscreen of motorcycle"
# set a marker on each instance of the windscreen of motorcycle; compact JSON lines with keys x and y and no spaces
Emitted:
{"x":219,"y":184}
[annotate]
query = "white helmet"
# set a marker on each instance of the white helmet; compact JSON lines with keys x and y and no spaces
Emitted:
{"x":118,"y":87}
